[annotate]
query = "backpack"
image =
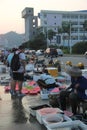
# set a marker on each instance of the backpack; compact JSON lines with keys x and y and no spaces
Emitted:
{"x":15,"y":62}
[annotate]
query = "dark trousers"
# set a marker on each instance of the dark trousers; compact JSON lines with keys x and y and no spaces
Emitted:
{"x":64,"y":95}
{"x":73,"y":99}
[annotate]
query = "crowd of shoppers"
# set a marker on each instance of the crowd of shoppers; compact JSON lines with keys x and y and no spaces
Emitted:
{"x":75,"y":93}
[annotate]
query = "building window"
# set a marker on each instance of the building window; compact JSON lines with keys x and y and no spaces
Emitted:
{"x":83,"y":16}
{"x":68,"y":16}
{"x":81,"y":30}
{"x":64,"y":16}
{"x":33,"y":25}
{"x":45,"y":22}
{"x":33,"y":33}
{"x":44,"y":15}
{"x":33,"y":20}
{"x":74,"y":37}
{"x":74,"y":30}
{"x":81,"y":37}
{"x":75,"y":22}
{"x":74,"y":16}
{"x":81,"y":23}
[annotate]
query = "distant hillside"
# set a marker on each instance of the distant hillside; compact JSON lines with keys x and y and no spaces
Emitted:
{"x":11,"y":39}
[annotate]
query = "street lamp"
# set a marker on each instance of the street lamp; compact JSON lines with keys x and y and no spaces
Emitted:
{"x":47,"y":37}
{"x":70,"y":39}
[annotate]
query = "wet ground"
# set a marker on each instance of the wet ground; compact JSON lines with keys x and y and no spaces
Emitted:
{"x":14,"y":114}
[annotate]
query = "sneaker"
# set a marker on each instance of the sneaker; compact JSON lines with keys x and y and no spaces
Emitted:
{"x":12,"y":93}
{"x":20,"y":95}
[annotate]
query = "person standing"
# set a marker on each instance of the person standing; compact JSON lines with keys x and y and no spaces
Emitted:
{"x":18,"y":76}
{"x":8,"y":62}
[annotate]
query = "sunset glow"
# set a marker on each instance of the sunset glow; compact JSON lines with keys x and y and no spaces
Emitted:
{"x":10,"y":11}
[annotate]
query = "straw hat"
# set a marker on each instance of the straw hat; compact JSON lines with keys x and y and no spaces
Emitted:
{"x":74,"y":71}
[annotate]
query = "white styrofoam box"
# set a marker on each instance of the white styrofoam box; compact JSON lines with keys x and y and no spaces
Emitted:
{"x":44,"y":94}
{"x":40,"y":117}
{"x":34,"y":108}
{"x":54,"y":119}
{"x":65,"y":128}
{"x":68,"y":125}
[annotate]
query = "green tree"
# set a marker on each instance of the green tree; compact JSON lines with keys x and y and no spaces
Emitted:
{"x":79,"y":48}
{"x":39,"y":42}
{"x":50,"y":34}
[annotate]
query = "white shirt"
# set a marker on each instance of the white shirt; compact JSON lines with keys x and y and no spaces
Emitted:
{"x":22,"y":57}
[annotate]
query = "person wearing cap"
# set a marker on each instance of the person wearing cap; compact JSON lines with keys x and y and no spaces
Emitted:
{"x":80,"y":65}
{"x":58,"y":65}
{"x":77,"y":91}
{"x":68,"y":65}
{"x":50,"y":62}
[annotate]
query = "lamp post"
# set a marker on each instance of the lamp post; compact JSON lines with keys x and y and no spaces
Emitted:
{"x":70,"y":39}
{"x":47,"y":37}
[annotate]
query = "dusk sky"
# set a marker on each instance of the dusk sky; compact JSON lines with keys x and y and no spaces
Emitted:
{"x":10,"y":11}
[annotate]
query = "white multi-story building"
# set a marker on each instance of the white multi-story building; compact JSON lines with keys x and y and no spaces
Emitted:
{"x":53,"y":20}
{"x":31,"y":23}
